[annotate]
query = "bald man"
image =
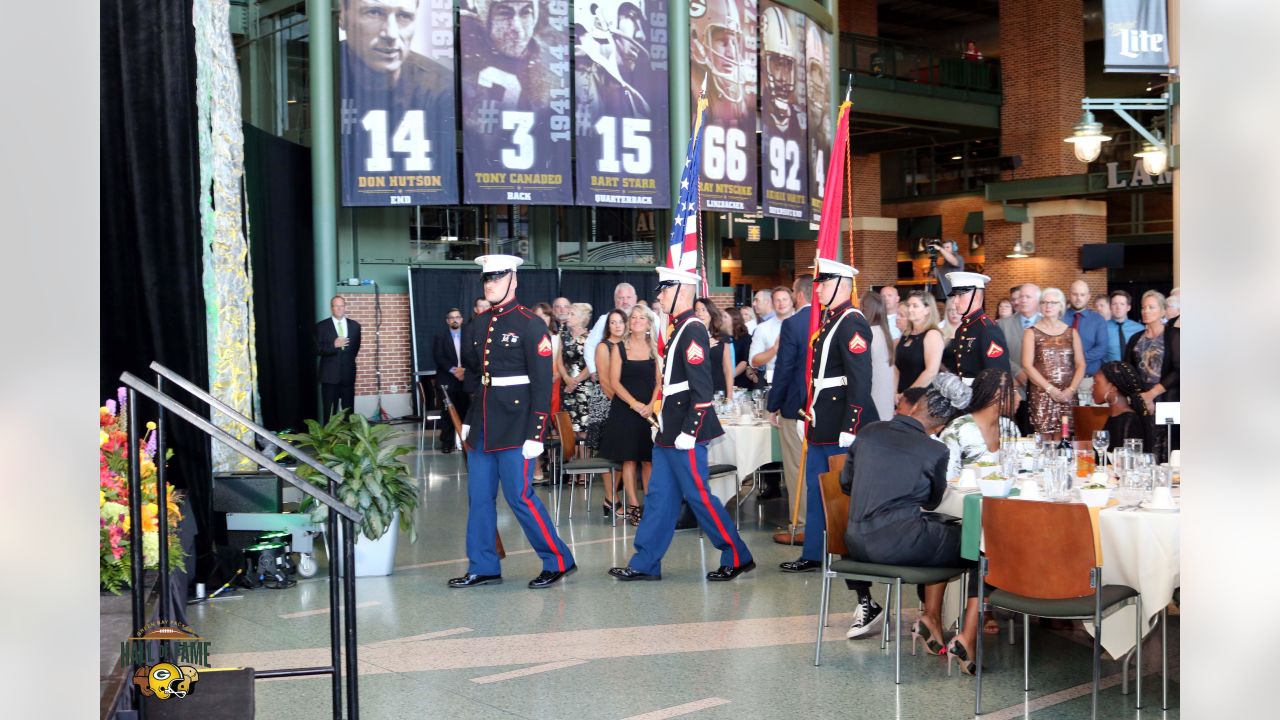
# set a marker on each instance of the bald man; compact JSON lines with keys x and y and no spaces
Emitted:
{"x":1090,"y":326}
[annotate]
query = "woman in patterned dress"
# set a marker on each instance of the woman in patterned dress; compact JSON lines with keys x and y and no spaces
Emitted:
{"x":1053,"y":360}
{"x":571,"y":366}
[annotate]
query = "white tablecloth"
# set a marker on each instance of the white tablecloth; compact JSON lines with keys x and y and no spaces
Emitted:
{"x":1140,"y":548}
{"x":747,"y":447}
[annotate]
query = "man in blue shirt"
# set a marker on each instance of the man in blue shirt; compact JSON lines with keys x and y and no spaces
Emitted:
{"x":1120,"y":328}
{"x":1090,"y":326}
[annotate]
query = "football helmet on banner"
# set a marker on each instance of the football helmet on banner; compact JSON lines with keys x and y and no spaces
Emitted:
{"x":781,"y":50}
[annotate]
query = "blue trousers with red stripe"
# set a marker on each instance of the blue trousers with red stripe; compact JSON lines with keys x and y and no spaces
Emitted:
{"x":510,"y":468}
{"x":682,"y":475}
{"x":815,"y":519}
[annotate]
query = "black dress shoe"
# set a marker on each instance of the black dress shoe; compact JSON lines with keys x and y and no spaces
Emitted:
{"x":472,"y":580}
{"x":446,"y":451}
{"x":627,"y":574}
{"x":550,"y":577}
{"x":770,"y":493}
{"x":801,"y":565}
{"x":726,"y":573}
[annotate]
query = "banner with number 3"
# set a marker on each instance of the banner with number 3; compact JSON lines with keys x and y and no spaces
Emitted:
{"x":723,"y":48}
{"x":620,"y":72}
{"x":517,"y":109}
{"x":397,"y":120}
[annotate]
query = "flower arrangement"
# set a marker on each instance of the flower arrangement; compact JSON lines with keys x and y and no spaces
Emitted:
{"x":113,"y":499}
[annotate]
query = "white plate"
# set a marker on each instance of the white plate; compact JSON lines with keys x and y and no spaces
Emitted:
{"x":1148,"y":508}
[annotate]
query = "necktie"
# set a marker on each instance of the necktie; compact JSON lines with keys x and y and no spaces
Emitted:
{"x":1120,"y":334}
{"x":1075,"y":322}
{"x":342,"y":328}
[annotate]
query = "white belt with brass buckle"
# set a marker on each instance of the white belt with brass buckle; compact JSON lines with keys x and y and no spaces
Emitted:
{"x":505,"y":381}
{"x":829,"y":382}
{"x":674,"y":388}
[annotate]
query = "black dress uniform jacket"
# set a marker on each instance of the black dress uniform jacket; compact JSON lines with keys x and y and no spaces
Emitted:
{"x":508,"y":341}
{"x":842,"y":408}
{"x":979,"y":344}
{"x":689,"y":359}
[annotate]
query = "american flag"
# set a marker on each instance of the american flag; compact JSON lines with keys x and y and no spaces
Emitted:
{"x":682,"y":253}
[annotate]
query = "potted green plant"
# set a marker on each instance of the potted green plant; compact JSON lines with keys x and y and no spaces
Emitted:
{"x":375,"y":481}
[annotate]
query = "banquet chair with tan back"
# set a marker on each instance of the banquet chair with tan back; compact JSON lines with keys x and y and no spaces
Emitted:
{"x":835,"y":505}
{"x":586,"y":466}
{"x":1046,"y":560}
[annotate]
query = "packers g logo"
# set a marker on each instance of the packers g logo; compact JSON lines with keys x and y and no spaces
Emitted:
{"x":165,"y":680}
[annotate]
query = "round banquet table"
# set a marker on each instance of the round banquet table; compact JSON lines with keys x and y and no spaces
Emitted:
{"x":748,"y":446}
{"x":1140,"y":548}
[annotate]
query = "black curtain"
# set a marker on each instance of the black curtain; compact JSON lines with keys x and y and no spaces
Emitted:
{"x":433,"y":291}
{"x":278,"y":179}
{"x":153,"y":301}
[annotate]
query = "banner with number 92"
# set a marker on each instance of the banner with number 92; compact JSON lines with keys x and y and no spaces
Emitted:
{"x":782,"y":112}
{"x":620,"y":71}
{"x":517,"y":109}
{"x":397,"y":117}
{"x":723,"y":48}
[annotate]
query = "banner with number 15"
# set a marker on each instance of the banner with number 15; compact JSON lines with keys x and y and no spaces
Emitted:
{"x":399,"y":141}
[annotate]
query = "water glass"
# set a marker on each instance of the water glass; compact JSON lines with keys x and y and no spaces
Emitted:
{"x":1133,"y":445}
{"x":1057,"y":481}
{"x":1010,"y":463}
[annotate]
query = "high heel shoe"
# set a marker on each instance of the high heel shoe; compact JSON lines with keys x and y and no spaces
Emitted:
{"x":956,"y":650}
{"x":609,"y":509}
{"x":634,"y":513}
{"x":921,"y":632}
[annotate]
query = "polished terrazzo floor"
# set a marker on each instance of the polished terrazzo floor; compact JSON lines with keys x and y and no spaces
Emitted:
{"x":592,"y":647}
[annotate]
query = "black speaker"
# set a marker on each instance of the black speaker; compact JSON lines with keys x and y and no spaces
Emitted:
{"x":1101,"y":255}
{"x":246,"y":493}
{"x":742,"y":294}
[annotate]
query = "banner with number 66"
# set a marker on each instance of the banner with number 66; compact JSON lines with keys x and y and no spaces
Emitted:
{"x":723,"y":48}
{"x":620,"y":69}
{"x":399,"y":131}
{"x":517,"y":109}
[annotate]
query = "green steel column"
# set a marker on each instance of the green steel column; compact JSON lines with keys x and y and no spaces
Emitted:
{"x":837,"y":81}
{"x":324,"y":171}
{"x":678,"y":91}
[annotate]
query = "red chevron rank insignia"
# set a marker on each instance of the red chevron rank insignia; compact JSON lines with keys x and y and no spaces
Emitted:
{"x":694,"y":354}
{"x":544,"y":347}
{"x":858,"y":344}
{"x":994,"y":350}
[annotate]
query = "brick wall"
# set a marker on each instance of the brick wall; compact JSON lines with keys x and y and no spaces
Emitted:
{"x":397,"y":345}
{"x":1056,"y":261}
{"x":859,"y":16}
{"x":1042,"y":61}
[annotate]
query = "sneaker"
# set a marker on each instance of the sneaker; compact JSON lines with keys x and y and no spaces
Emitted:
{"x":865,"y":617}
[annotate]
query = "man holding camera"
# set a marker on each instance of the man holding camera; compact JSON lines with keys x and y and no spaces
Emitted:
{"x":944,"y":257}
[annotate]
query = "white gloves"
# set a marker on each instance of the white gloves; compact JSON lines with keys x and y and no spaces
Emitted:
{"x":846,"y":439}
{"x":800,"y":429}
{"x":684,"y":441}
{"x":466,"y":430}
{"x":531,"y":449}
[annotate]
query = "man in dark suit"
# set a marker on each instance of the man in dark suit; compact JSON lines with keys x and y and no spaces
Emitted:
{"x":787,"y":396}
{"x":447,"y":352}
{"x":337,"y":344}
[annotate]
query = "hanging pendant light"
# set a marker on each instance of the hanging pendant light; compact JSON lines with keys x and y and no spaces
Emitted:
{"x":1155,"y":156}
{"x":1087,"y":138}
{"x":1017,"y":250}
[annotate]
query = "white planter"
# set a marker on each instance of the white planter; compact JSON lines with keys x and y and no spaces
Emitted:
{"x":374,"y":558}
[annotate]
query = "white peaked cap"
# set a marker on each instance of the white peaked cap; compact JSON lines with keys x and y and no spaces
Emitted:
{"x":827,"y":266}
{"x":498,"y":263}
{"x":684,"y":277}
{"x":961,"y":279}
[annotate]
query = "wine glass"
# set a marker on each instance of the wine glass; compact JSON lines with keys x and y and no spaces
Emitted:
{"x":1101,"y":441}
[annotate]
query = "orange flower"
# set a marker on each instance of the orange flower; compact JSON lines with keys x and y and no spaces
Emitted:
{"x":149,"y":515}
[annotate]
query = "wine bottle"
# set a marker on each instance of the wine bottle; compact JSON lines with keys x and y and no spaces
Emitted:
{"x":1065,"y":442}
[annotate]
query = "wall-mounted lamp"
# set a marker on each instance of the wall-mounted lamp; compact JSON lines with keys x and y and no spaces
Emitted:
{"x":1087,"y":138}
{"x":1087,"y":135}
{"x":1017,"y":250}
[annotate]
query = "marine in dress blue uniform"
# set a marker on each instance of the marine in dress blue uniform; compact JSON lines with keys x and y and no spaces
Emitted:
{"x":509,"y":350}
{"x":979,"y":343}
{"x":687,"y":422}
{"x":840,"y":382}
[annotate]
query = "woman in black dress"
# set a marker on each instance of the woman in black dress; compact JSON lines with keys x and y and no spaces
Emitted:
{"x":743,"y":375}
{"x":919,"y":352}
{"x":721,"y":360}
{"x":635,"y":376}
{"x":1120,"y":386}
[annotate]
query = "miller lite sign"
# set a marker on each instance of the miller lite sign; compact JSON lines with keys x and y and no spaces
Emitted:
{"x":1137,"y":36}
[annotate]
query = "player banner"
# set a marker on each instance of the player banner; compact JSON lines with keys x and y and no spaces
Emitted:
{"x":620,"y":68}
{"x":722,"y":50}
{"x":517,"y":128}
{"x":817,"y":52}
{"x":399,"y":142}
{"x":784,"y":115}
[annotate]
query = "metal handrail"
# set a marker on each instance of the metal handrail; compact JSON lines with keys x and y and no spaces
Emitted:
{"x":348,"y":522}
{"x":222,"y":436}
{"x":231,"y":412}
